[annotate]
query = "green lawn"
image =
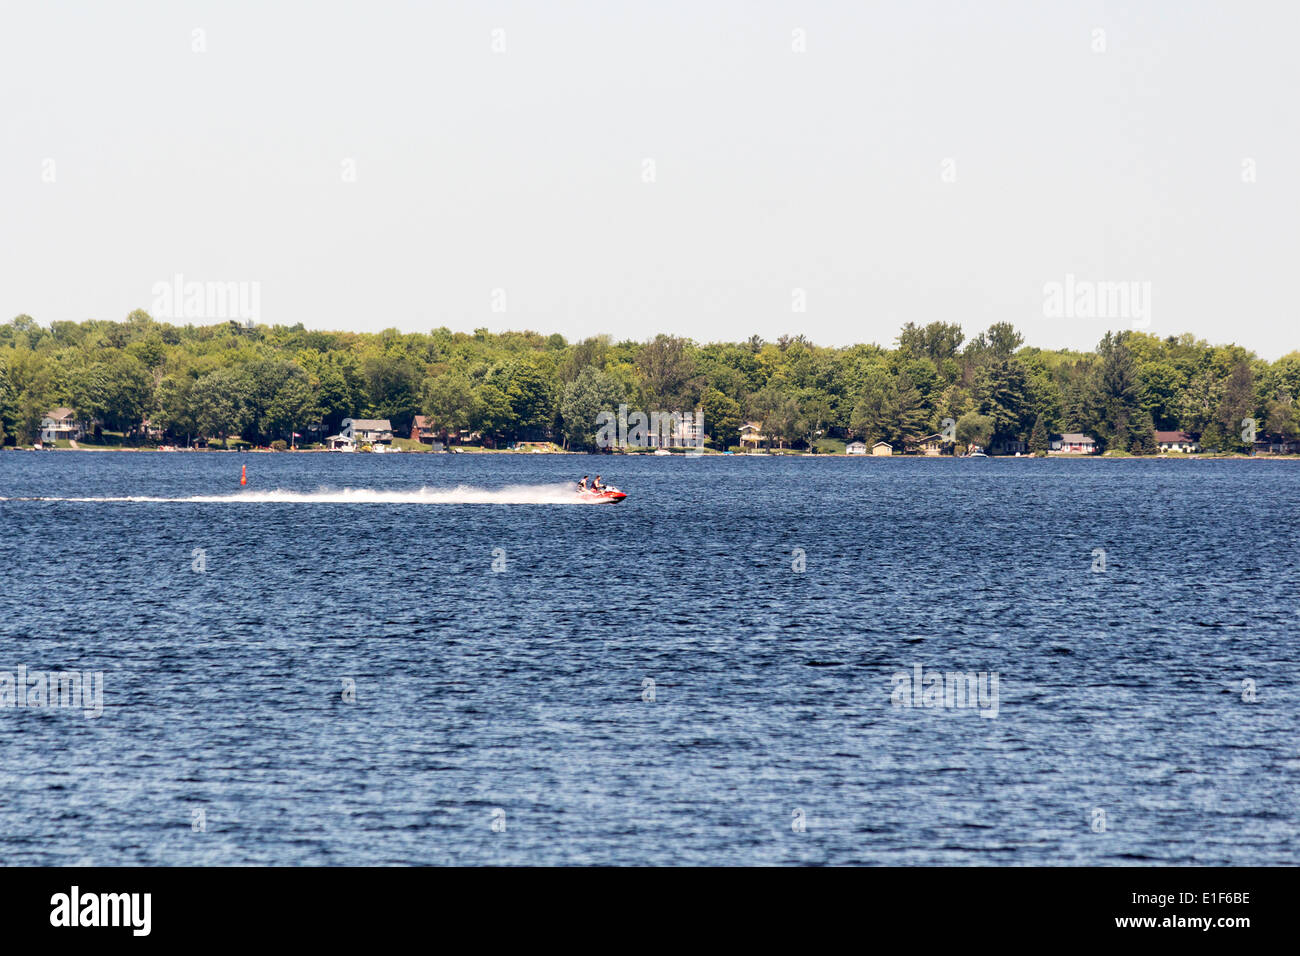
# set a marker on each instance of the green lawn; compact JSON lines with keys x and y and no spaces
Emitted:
{"x":407,"y":444}
{"x":830,"y":446}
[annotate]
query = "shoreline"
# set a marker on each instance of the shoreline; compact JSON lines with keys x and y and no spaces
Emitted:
{"x":649,"y":454}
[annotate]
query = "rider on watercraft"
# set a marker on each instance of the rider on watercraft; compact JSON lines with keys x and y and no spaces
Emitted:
{"x":582,"y":485}
{"x":596,"y":485}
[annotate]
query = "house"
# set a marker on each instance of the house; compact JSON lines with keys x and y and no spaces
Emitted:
{"x":855,"y":448}
{"x":751,"y":436}
{"x":60,"y":424}
{"x":677,"y":430}
{"x":367,"y":430}
{"x":687,"y":431}
{"x":932,"y":445}
{"x":1277,"y":445}
{"x":1074,"y":443}
{"x":882,"y":448}
{"x":1176,"y":441}
{"x":340,"y":443}
{"x":1010,"y":446}
{"x":421,"y":430}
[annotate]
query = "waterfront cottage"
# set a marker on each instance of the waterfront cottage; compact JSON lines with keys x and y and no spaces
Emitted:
{"x":1277,"y":445}
{"x":1176,"y":441}
{"x":367,"y":430}
{"x":1010,"y":446}
{"x":882,"y":448}
{"x":751,"y":436}
{"x":60,"y":424}
{"x":421,"y":430}
{"x":930,"y":445}
{"x":1074,"y":443}
{"x":855,"y":448}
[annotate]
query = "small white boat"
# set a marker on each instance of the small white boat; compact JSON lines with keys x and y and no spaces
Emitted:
{"x":662,"y":451}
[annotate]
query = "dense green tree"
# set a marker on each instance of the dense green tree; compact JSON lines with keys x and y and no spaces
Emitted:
{"x":1280,"y":417}
{"x":591,"y":393}
{"x":450,"y":402}
{"x":1112,"y":394}
{"x":907,"y":414}
{"x":515,"y":385}
{"x":1003,"y":386}
{"x":493,"y":414}
{"x":1003,"y":340}
{"x":872,"y":416}
{"x":938,"y":341}
{"x":671,"y":380}
{"x":1237,"y":407}
{"x":1039,"y":440}
{"x":218,"y":405}
{"x":975,"y":429}
{"x":1160,"y":384}
{"x":392,"y":389}
{"x":174,"y":406}
{"x":1142,"y":436}
{"x":530,"y":398}
{"x":116,"y":390}
{"x":292,"y":406}
{"x":721,"y":418}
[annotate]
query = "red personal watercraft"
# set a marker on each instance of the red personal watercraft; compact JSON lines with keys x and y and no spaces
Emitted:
{"x":607,"y":495}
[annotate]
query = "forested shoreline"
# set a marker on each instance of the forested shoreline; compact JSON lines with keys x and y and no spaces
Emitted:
{"x":262,"y":383}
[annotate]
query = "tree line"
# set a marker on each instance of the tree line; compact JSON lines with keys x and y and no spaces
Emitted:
{"x":262,"y":383}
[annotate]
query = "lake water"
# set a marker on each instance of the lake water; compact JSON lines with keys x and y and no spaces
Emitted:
{"x":505,"y":716}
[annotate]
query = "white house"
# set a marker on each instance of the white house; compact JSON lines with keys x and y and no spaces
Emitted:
{"x":1074,"y":443}
{"x":855,"y":448}
{"x":367,"y":430}
{"x":60,"y":424}
{"x":683,"y":431}
{"x":1176,"y":441}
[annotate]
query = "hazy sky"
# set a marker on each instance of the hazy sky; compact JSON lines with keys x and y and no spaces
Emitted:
{"x":383,"y":164}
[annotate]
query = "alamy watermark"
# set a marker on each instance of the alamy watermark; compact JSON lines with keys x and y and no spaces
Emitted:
{"x":42,"y":689}
{"x":924,"y":687}
{"x":1087,"y":299}
{"x":658,"y":429}
{"x":179,"y":299}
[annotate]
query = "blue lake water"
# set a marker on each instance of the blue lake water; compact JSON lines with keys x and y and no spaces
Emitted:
{"x":501,"y":717}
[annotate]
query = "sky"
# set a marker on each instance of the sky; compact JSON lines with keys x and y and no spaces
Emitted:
{"x":709,"y":169}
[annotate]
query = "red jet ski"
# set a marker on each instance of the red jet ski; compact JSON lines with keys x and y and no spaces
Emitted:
{"x":608,"y":495}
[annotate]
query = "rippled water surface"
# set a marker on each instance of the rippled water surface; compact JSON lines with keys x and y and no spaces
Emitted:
{"x":518,"y":697}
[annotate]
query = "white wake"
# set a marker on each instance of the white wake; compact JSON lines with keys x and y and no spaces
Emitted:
{"x":563,"y":494}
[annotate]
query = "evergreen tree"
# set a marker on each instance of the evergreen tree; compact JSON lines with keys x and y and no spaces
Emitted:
{"x":1003,"y":386}
{"x":1238,"y":406}
{"x":1038,"y":437}
{"x":1142,"y":436}
{"x":907,"y":409}
{"x":1113,"y":396}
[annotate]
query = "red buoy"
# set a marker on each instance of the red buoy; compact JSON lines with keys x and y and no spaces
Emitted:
{"x":243,"y":474}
